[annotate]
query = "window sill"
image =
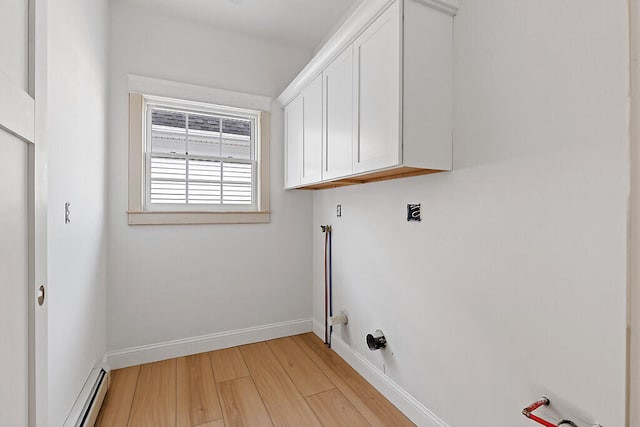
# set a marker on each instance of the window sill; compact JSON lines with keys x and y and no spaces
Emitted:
{"x":198,"y":217}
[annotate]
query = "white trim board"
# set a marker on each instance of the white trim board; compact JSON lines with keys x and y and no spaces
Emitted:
{"x":450,"y":7}
{"x":405,"y":402}
{"x":188,"y":346}
{"x":318,"y":329}
{"x":190,"y":92}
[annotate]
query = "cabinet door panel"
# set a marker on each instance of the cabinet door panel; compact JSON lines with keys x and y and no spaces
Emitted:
{"x":377,"y":54}
{"x":293,"y":114}
{"x":338,"y":149}
{"x":312,"y":139}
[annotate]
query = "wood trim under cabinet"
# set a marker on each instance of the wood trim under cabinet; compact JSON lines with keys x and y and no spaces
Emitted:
{"x":380,"y":175}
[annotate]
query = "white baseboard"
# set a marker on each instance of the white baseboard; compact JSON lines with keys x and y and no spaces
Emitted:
{"x":409,"y":405}
{"x":318,"y":329}
{"x":188,"y":346}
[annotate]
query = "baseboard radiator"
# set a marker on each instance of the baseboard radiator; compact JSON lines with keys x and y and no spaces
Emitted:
{"x":87,"y":407}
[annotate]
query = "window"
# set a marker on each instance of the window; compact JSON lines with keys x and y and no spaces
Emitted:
{"x":199,"y":158}
{"x":191,"y":162}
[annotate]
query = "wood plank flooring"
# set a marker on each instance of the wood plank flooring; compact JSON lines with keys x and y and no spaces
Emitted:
{"x":294,"y":381}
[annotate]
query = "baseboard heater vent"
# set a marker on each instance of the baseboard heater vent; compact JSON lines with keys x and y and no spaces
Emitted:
{"x":87,"y":407}
{"x":94,"y":403}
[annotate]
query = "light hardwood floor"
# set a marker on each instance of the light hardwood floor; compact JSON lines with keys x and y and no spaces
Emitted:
{"x":294,"y":381}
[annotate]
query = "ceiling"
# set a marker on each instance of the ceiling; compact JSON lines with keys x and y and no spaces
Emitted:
{"x":301,"y":23}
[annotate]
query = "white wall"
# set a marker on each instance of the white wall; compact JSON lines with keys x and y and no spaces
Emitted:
{"x":170,"y":282}
{"x":514,"y":283}
{"x":77,"y":251}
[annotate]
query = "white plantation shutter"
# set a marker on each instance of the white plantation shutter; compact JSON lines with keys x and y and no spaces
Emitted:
{"x":237,"y":183}
{"x":168,"y":177}
{"x":200,"y":159}
{"x":205,"y":182}
{"x":195,"y":181}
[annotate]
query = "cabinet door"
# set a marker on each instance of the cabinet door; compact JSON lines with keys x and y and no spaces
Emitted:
{"x":338,"y":93}
{"x":312,"y":139}
{"x":294,"y":134}
{"x":377,"y":93}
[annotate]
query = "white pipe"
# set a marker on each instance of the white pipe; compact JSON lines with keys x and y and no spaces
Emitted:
{"x":340,"y":319}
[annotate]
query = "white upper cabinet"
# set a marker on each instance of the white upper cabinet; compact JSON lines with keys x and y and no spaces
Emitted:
{"x":312,"y":127}
{"x":427,"y":95}
{"x":338,"y":113}
{"x":377,"y":94}
{"x":303,"y":136}
{"x":294,"y":134}
{"x":387,"y":104}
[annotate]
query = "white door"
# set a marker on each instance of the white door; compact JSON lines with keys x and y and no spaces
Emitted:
{"x":14,"y":269}
{"x":338,"y":125}
{"x":22,"y":353}
{"x":377,"y":93}
{"x":312,"y":139}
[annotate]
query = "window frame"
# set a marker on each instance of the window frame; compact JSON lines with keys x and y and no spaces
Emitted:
{"x":141,"y":212}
